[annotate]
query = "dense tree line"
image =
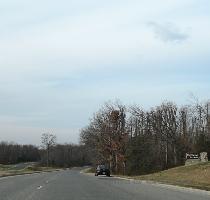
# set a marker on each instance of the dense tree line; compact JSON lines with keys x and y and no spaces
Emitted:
{"x":65,"y":155}
{"x":56,"y":155}
{"x":11,"y":153}
{"x":48,"y":154}
{"x":62,"y":155}
{"x":134,"y":141}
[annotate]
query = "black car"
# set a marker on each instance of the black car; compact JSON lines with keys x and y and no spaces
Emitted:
{"x":102,"y":170}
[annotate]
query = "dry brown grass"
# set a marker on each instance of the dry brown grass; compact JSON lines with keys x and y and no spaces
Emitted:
{"x":6,"y":170}
{"x":196,"y":176}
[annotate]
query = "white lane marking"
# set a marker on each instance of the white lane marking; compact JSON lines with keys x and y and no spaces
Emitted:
{"x":40,"y":187}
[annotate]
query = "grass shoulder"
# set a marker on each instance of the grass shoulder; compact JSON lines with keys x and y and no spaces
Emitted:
{"x":89,"y":170}
{"x":194,"y":176}
{"x":8,"y":170}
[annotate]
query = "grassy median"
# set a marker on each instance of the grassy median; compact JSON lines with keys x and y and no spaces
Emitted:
{"x":8,"y":170}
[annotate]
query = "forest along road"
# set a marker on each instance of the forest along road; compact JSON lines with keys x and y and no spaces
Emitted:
{"x":71,"y":184}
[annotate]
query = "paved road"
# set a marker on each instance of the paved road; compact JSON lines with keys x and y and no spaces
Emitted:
{"x":71,"y":185}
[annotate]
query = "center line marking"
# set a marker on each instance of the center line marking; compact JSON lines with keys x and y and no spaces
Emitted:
{"x":40,"y":187}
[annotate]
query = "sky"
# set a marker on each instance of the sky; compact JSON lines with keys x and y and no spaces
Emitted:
{"x":61,"y":60}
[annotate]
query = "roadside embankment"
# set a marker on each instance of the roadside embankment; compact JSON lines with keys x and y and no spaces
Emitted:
{"x":194,"y":176}
{"x":11,"y":170}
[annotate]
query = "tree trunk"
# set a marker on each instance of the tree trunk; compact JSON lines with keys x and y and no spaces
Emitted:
{"x":48,"y":155}
{"x":166,"y":155}
{"x":116,"y":163}
{"x":175,"y":156}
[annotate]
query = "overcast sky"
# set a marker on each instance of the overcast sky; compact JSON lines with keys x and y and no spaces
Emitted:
{"x":61,"y":60}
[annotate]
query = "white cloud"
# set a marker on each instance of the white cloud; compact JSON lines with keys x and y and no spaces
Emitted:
{"x":168,"y":32}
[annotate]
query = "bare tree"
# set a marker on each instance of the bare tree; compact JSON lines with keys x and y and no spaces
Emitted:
{"x":107,"y":135}
{"x":48,"y":141}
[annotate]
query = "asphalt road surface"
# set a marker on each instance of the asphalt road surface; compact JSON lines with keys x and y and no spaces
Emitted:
{"x":72,"y":185}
